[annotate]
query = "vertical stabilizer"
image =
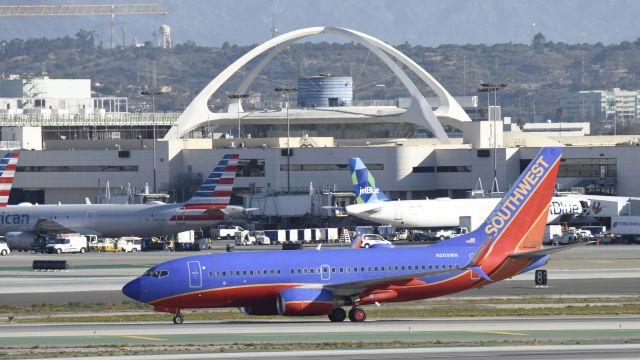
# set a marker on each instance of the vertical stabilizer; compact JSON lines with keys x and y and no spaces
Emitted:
{"x":7,"y":174}
{"x":215,"y":191}
{"x":364,"y":184}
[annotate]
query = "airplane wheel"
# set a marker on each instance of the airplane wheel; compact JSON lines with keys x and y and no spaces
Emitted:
{"x":178,"y":319}
{"x":356,"y":314}
{"x":338,"y":315}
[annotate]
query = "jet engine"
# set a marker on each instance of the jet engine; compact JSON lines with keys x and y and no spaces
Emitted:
{"x":20,"y":240}
{"x":306,"y":302}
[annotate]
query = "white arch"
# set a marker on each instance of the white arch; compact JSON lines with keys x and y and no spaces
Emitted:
{"x":449,"y":111}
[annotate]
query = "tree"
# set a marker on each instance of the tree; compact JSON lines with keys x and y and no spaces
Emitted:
{"x":539,"y":40}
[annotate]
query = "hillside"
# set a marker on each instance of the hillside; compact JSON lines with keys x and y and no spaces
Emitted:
{"x":539,"y":74}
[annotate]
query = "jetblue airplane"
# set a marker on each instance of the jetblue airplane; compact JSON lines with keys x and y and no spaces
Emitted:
{"x":322,"y":282}
{"x":373,"y":205}
{"x":22,"y":224}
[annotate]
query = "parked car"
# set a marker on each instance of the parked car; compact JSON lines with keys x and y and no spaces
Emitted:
{"x":4,"y":248}
{"x":130,"y":244}
{"x":68,"y":243}
{"x":372,"y":240}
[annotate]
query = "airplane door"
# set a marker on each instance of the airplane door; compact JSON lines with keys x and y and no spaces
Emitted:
{"x":325,"y":272}
{"x":195,"y":274}
{"x":398,"y":212}
{"x":91,"y":217}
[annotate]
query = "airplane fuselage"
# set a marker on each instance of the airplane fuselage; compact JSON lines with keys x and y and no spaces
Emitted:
{"x":108,"y":220}
{"x":447,"y":212}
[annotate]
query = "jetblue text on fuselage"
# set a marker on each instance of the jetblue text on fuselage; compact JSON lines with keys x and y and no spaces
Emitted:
{"x":558,"y":208}
{"x":13,"y":219}
{"x":512,"y":204}
{"x":369,"y":190}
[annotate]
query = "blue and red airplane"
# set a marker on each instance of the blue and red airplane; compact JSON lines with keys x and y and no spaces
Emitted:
{"x":322,"y":282}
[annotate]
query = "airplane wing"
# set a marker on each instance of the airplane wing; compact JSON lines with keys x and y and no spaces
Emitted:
{"x":49,"y":225}
{"x":357,"y":287}
{"x":547,"y":251}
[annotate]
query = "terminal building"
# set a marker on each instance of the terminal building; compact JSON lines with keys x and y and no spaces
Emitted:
{"x":294,"y":157}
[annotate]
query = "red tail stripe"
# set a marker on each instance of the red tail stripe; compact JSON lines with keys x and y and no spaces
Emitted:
{"x":204,"y":206}
{"x":6,"y":180}
{"x":15,"y":154}
{"x":203,"y":217}
{"x":5,"y":192}
{"x":221,"y":193}
{"x":11,"y":167}
{"x":225,"y":181}
{"x":231,"y":168}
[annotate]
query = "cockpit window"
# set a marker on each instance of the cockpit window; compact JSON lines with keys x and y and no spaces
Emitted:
{"x":156,"y":273}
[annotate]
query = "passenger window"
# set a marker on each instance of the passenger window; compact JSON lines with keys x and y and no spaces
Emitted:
{"x":430,"y":267}
{"x":273,"y":272}
{"x":278,"y":271}
{"x":369,"y":269}
{"x":348,"y":269}
{"x":217,"y":274}
{"x":224,"y":273}
{"x":251,"y":272}
{"x":244,"y":272}
{"x":299,"y":271}
{"x":396,"y":267}
{"x":258,"y":272}
{"x":292,"y":271}
{"x":238,"y":273}
{"x":375,"y":268}
{"x":402,"y":267}
{"x":341,"y":269}
{"x":389,"y":268}
{"x":355,"y":269}
{"x":306,"y":271}
{"x":333,"y":270}
{"x":409,"y":267}
{"x":362,"y":269}
{"x":424,"y":267}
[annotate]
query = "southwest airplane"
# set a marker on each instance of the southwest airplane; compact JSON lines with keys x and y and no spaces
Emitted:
{"x":372,"y":204}
{"x":322,"y":282}
{"x":22,"y":224}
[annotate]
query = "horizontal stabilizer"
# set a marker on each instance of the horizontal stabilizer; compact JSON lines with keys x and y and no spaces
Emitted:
{"x":478,"y":270}
{"x":547,"y":251}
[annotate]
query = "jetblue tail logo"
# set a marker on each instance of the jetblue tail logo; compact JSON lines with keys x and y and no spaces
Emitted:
{"x":364,"y":184}
{"x":7,"y":173}
{"x":216,"y":189}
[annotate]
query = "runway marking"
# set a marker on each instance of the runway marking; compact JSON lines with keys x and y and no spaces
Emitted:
{"x":142,"y":338}
{"x":498,"y":332}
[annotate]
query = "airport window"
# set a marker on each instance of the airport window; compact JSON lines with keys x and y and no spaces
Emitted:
{"x":326,"y":167}
{"x":485,"y":153}
{"x":250,"y":168}
{"x":423,"y":169}
{"x":80,"y":168}
{"x":445,"y":169}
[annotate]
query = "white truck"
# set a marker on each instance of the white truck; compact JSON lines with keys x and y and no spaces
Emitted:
{"x":228,"y":232}
{"x":247,"y":237}
{"x":130,"y":244}
{"x":67,"y":243}
{"x":448,"y":233}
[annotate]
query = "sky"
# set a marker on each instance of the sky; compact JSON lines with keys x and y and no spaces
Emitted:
{"x":419,"y":22}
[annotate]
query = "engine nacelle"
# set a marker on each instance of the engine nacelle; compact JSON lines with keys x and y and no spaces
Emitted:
{"x":20,"y":240}
{"x":306,"y":302}
{"x":270,"y":308}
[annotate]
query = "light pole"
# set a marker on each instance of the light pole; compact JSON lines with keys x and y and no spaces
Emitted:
{"x":488,"y":88}
{"x":288,"y":90}
{"x":162,"y":91}
{"x":239,"y":97}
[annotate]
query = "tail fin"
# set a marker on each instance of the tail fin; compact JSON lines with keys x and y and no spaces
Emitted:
{"x":364,"y":184}
{"x":517,"y":223}
{"x":215,"y":191}
{"x":7,"y":174}
{"x":356,"y":242}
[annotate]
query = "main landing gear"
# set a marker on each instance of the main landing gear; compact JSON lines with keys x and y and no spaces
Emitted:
{"x":356,"y":314}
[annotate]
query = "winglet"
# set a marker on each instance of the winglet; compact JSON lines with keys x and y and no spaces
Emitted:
{"x":364,"y":184}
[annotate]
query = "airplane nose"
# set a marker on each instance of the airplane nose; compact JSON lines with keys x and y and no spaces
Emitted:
{"x":133,"y":290}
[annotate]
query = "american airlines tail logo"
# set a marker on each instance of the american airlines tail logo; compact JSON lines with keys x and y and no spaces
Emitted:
{"x":369,"y":190}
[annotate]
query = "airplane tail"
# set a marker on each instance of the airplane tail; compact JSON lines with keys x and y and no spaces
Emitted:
{"x":356,"y":242}
{"x":517,"y":223}
{"x":7,"y":174}
{"x":364,"y":184}
{"x":215,"y":191}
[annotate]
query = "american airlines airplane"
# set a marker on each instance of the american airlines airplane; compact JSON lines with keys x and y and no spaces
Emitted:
{"x":322,"y":282}
{"x":372,"y":204}
{"x":22,"y":224}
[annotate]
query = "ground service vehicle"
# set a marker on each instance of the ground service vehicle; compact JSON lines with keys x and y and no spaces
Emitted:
{"x":67,"y":243}
{"x":4,"y":248}
{"x":228,"y":232}
{"x":130,"y":244}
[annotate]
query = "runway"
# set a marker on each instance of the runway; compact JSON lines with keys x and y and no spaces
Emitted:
{"x":551,"y":330}
{"x":587,"y":352}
